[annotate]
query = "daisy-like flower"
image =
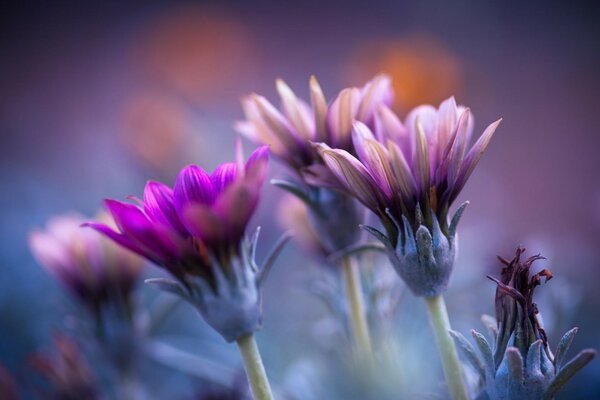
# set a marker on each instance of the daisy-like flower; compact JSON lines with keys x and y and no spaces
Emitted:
{"x":409,"y":174}
{"x":519,"y":364}
{"x":93,"y":269}
{"x":293,"y":128}
{"x":196,"y":232}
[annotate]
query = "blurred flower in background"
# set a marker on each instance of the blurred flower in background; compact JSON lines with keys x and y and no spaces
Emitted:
{"x":92,"y":268}
{"x":66,"y":374}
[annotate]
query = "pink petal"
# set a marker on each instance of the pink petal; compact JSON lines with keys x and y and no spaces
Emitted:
{"x":193,"y":186}
{"x":223,"y":176}
{"x":159,"y":205}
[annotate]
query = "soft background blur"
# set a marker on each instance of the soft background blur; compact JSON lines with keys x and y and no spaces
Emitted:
{"x":97,"y":98}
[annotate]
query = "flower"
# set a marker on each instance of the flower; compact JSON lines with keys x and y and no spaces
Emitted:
{"x":520,"y":365}
{"x":409,"y":175}
{"x":196,"y":232}
{"x":93,"y":269}
{"x":290,"y":130}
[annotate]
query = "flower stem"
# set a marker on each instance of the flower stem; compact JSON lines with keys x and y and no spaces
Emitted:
{"x":438,"y":315}
{"x":257,"y":377}
{"x":354,"y":296}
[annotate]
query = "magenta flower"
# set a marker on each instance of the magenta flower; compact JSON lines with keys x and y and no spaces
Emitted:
{"x":178,"y":228}
{"x":92,"y":268}
{"x":409,"y":175}
{"x":196,"y":232}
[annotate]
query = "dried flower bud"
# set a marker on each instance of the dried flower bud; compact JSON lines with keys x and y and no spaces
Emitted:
{"x":520,"y":364}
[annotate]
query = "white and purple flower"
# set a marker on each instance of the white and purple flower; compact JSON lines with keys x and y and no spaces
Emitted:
{"x":409,"y":175}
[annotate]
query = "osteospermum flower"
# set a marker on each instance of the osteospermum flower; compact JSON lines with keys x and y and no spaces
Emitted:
{"x":409,"y":175}
{"x":196,"y":231}
{"x":292,"y":128}
{"x":92,"y":268}
{"x":519,"y":364}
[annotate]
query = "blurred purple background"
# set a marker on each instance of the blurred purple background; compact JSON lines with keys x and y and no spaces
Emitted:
{"x":98,"y":97}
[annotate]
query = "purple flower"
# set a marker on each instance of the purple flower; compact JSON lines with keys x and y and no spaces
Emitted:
{"x":92,"y":268}
{"x":425,"y":161}
{"x":291,"y":129}
{"x":409,"y":175}
{"x":196,"y":231}
{"x":177,"y":228}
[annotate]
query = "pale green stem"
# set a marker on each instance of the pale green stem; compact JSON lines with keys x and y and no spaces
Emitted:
{"x":438,"y":315}
{"x":354,"y":296}
{"x":257,"y":377}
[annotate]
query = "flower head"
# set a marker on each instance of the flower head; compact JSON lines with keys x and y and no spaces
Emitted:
{"x":409,"y":174}
{"x":291,"y":129}
{"x":92,"y":268}
{"x":520,"y":363}
{"x":178,"y":227}
{"x":196,"y":231}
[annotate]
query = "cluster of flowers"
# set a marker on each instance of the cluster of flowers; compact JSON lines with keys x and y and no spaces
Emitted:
{"x":345,"y":155}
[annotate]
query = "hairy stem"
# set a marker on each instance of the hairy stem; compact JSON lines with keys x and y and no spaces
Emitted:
{"x":438,"y":315}
{"x":257,"y":377}
{"x":354,"y":296}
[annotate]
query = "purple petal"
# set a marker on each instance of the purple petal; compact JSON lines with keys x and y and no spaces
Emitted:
{"x":159,"y":205}
{"x":120,"y":239}
{"x":340,"y":117}
{"x":193,"y":186}
{"x":353,"y":175}
{"x":319,"y":109}
{"x":159,"y":240}
{"x":223,"y":176}
{"x":236,"y":206}
{"x":296,"y":111}
{"x":256,"y":166}
{"x":421,"y":161}
{"x":375,"y":93}
{"x":373,"y":156}
{"x":473,"y":157}
{"x":389,"y":126}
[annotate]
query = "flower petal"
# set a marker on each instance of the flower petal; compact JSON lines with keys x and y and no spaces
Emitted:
{"x":353,"y":175}
{"x":319,"y":107}
{"x":473,"y":157}
{"x":374,"y":156}
{"x":421,"y":161}
{"x":389,"y":126}
{"x":193,"y":186}
{"x":376,"y":92}
{"x":296,"y":111}
{"x":340,"y":117}
{"x":257,"y":165}
{"x":223,"y":176}
{"x":159,"y":205}
{"x":160,"y":241}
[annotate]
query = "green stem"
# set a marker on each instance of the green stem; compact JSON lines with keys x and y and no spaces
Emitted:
{"x":354,"y":296}
{"x":257,"y":377}
{"x":438,"y":315}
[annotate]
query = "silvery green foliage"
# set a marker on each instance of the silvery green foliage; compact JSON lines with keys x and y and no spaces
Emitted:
{"x":519,"y":363}
{"x":424,"y":256}
{"x":231,"y":300}
{"x":334,"y":215}
{"x":537,"y":375}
